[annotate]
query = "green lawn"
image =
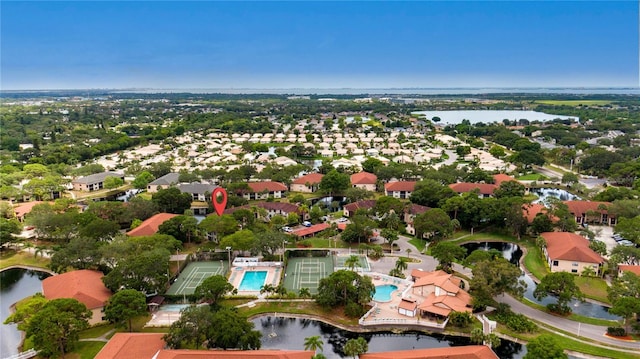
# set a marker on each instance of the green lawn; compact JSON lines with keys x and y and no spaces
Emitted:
{"x":534,"y":262}
{"x":593,"y":288}
{"x":95,"y":332}
{"x":11,"y":258}
{"x":418,"y":243}
{"x":574,"y":102}
{"x":86,"y":350}
{"x":532,"y":177}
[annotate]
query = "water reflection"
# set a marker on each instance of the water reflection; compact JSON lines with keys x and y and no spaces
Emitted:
{"x":544,"y":193}
{"x":289,"y":333}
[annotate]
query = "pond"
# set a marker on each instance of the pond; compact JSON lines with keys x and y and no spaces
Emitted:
{"x":513,"y":253}
{"x":489,"y":116}
{"x":544,"y":193}
{"x":289,"y":333}
{"x":15,"y":284}
{"x":327,"y":202}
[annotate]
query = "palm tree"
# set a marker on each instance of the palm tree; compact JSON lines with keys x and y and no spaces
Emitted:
{"x":402,"y":264}
{"x":409,"y":252}
{"x":352,"y":262}
{"x":304,"y":293}
{"x":313,"y":343}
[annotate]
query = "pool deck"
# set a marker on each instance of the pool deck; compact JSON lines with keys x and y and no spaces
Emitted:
{"x":386,"y":313}
{"x":237,"y":273}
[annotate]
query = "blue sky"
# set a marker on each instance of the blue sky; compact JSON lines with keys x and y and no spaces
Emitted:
{"x":301,"y":44}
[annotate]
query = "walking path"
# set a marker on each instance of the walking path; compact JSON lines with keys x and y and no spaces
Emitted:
{"x":103,"y":338}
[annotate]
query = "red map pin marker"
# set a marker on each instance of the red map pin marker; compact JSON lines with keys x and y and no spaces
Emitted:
{"x":219,"y":206}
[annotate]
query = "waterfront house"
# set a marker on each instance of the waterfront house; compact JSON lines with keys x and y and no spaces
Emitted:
{"x":308,"y":183}
{"x":569,"y":252}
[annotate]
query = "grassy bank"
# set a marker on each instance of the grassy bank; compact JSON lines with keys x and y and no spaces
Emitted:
{"x":12,"y":258}
{"x":593,"y":288}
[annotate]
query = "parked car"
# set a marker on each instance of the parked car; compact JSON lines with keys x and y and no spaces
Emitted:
{"x":306,"y":224}
{"x":626,"y":243}
{"x":342,"y":220}
{"x":287,"y":229}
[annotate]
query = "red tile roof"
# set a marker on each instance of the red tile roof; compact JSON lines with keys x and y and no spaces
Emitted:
{"x":132,"y":345}
{"x":363,"y":178}
{"x":270,"y":186}
{"x":569,"y":247}
{"x":270,"y":206}
{"x":501,"y":177}
{"x":530,"y":211}
{"x":310,"y":230}
{"x":464,"y":352}
{"x":234,"y":354}
{"x":582,"y":207}
{"x":629,"y":268}
{"x":25,"y":208}
{"x":464,"y":187}
{"x":417,"y":209}
{"x":83,"y":285}
{"x":311,"y":178}
{"x":150,"y":226}
{"x":366,"y":204}
{"x":400,"y":186}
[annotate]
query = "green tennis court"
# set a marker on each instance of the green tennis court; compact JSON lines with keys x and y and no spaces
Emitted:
{"x":307,"y":272}
{"x":193,"y":274}
{"x":363,"y":263}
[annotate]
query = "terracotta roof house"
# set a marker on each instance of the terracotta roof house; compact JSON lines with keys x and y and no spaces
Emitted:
{"x":23,"y":209}
{"x":569,"y":252}
{"x":132,"y":345}
{"x":264,"y":190}
{"x":150,"y":226}
{"x":441,"y":292}
{"x":400,"y":189}
{"x":485,"y":190}
{"x":234,"y":354}
{"x":531,"y":210}
{"x":305,"y":232}
{"x":628,"y":268}
{"x":364,"y":180}
{"x":93,"y":182}
{"x":501,"y":177}
{"x":351,"y":208}
{"x":83,"y":285}
{"x":410,"y":213}
{"x":591,"y":212}
{"x":163,"y":182}
{"x":463,"y":352}
{"x":308,"y":183}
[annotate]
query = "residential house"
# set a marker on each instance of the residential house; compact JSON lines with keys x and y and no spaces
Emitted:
{"x":163,"y":182}
{"x":410,"y":213}
{"x":150,"y":226}
{"x":531,"y":210}
{"x":85,"y":286}
{"x":198,"y":191}
{"x":264,"y":190}
{"x":462,"y":352}
{"x":400,"y":189}
{"x":272,"y":208}
{"x":351,"y":208}
{"x":306,"y":232}
{"x":23,"y":209}
{"x":94,"y":182}
{"x":591,"y":212}
{"x":308,"y":183}
{"x":485,"y":190}
{"x":441,"y":293}
{"x":569,"y":252}
{"x":628,"y":268}
{"x":364,"y":180}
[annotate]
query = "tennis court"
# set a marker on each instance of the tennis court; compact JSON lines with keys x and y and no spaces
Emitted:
{"x":363,"y":263}
{"x":307,"y":272}
{"x":193,"y":274}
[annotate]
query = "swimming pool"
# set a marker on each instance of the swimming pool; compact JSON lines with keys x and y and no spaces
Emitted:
{"x":383,"y":292}
{"x":253,"y":280}
{"x":173,"y":307}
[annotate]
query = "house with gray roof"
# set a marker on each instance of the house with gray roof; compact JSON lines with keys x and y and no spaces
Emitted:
{"x":198,"y":191}
{"x":163,"y":182}
{"x":94,"y":182}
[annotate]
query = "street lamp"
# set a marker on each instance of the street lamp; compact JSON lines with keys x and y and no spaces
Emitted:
{"x":229,"y":256}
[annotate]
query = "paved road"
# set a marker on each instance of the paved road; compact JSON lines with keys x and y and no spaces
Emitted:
{"x":588,"y":332}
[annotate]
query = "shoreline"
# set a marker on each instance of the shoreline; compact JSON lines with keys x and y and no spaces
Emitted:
{"x":21,"y":266}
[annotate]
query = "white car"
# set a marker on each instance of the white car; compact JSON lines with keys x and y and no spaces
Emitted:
{"x":342,"y":220}
{"x":287,"y":229}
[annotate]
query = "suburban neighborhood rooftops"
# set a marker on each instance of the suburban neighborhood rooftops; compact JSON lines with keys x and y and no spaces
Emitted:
{"x":97,"y":177}
{"x":365,"y":204}
{"x":629,"y":268}
{"x":150,"y":226}
{"x":501,"y":177}
{"x":464,"y":187}
{"x":463,"y":352}
{"x":363,"y":178}
{"x":196,"y":187}
{"x":400,"y":186}
{"x":132,"y":345}
{"x":269,"y":186}
{"x":234,"y":354}
{"x":83,"y":285}
{"x":311,"y":178}
{"x":570,"y":247}
{"x":582,"y":207}
{"x":310,"y":230}
{"x":166,"y":180}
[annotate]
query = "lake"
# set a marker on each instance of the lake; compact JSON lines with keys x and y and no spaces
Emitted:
{"x":489,"y":116}
{"x":291,"y":332}
{"x":15,"y":284}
